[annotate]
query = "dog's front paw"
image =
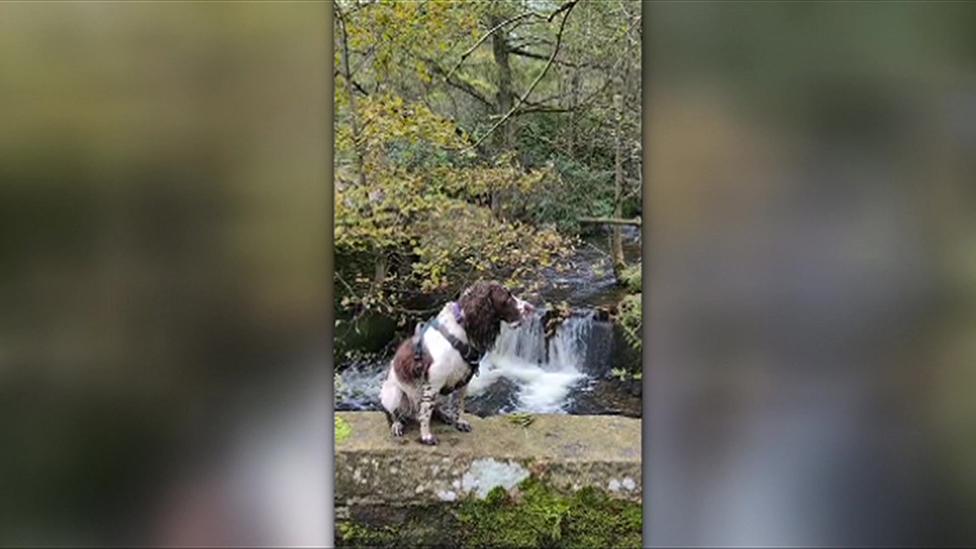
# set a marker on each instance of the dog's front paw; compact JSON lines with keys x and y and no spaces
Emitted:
{"x":429,"y":440}
{"x":463,"y":425}
{"x":396,"y":429}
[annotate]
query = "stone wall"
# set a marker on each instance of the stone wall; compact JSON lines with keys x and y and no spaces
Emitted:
{"x":565,"y":452}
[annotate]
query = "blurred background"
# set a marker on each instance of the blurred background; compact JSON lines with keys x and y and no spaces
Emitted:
{"x":165,"y":216}
{"x":812,"y":273}
{"x":165,"y":258}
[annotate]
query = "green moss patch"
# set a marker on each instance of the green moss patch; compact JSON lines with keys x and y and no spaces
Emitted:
{"x":357,"y":535}
{"x":533,"y":516}
{"x":342,"y":430}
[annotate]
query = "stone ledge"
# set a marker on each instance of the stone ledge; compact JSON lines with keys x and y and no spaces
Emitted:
{"x":566,"y":452}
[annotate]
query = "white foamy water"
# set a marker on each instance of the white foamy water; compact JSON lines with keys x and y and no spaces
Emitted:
{"x":543,"y":372}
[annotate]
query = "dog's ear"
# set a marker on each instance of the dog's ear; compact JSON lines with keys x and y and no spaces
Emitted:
{"x":481,"y":319}
{"x":506,"y":306}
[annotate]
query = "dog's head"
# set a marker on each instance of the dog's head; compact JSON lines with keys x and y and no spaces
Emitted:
{"x":485,"y":305}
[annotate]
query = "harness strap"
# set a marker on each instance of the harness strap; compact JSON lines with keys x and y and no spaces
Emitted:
{"x":470,"y":354}
{"x":418,"y":348}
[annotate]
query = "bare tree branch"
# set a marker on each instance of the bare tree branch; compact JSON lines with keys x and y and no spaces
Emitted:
{"x":462,"y":85}
{"x":568,"y":8}
{"x":469,"y":51}
{"x":542,"y":108}
{"x":564,"y":7}
{"x":532,"y":55}
{"x":355,"y":84}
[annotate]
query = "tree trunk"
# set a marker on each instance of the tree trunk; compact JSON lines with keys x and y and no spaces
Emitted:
{"x":575,"y":87}
{"x":379,"y":275}
{"x":616,"y":245}
{"x":351,"y":97}
{"x":504,"y":100}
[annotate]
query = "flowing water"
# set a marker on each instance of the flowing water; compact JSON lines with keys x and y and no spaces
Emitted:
{"x":568,"y":372}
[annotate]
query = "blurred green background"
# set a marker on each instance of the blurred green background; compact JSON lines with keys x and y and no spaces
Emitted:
{"x":165,"y":214}
{"x":813,"y":235}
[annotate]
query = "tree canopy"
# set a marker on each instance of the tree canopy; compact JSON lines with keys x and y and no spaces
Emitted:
{"x":471,"y":136}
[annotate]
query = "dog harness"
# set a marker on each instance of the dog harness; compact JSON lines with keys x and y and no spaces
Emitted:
{"x":469,"y":353}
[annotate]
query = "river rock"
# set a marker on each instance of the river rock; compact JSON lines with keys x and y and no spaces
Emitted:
{"x":501,"y":396}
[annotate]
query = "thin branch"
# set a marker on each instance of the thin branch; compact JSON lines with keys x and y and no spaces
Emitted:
{"x":358,"y":7}
{"x":543,"y":109}
{"x":532,"y":55}
{"x":586,"y":103}
{"x":568,"y":8}
{"x":354,"y":83}
{"x":564,"y":7}
{"x":366,"y":56}
{"x":466,"y":87}
{"x":610,"y":221}
{"x":469,"y":51}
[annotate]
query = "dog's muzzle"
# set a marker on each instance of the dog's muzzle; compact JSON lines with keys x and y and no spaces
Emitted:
{"x":525,"y":309}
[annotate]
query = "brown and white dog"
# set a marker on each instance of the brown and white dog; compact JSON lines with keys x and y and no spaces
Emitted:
{"x":450,"y":347}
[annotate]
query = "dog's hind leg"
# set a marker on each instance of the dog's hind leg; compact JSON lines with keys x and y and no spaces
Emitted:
{"x":391,"y":397}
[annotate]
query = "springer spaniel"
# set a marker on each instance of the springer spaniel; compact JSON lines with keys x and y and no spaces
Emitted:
{"x":443,"y":355}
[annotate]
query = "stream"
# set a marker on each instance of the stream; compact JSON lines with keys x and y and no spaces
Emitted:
{"x":570,"y":372}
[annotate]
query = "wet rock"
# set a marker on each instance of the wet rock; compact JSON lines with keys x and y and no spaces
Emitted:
{"x":601,"y":347}
{"x":625,"y":356}
{"x":500,"y":397}
{"x":609,"y":396}
{"x":601,"y":314}
{"x":370,"y":333}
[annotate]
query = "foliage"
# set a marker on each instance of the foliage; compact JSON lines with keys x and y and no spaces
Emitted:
{"x":521,"y":419}
{"x":419,"y":211}
{"x":629,"y":318}
{"x":631,"y":277}
{"x":422,"y":210}
{"x":626,"y":375}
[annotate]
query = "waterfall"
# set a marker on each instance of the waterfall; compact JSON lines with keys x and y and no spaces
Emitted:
{"x":543,"y":372}
{"x":523,"y":372}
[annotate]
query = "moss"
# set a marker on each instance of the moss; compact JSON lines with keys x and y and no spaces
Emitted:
{"x":342,"y":430}
{"x":540,"y":517}
{"x":496,"y":497}
{"x":384,"y":527}
{"x":599,"y":521}
{"x":351,"y":534}
{"x":533,"y":516}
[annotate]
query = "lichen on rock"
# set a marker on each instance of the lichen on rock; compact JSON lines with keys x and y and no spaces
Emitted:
{"x":486,"y":474}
